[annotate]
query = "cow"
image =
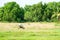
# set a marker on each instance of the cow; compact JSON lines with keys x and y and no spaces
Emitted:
{"x":21,"y":26}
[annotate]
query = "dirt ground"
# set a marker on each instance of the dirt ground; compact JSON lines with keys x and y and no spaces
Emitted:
{"x":15,"y":26}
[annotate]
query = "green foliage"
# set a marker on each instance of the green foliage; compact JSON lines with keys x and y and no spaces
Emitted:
{"x":12,"y":12}
{"x":33,"y":13}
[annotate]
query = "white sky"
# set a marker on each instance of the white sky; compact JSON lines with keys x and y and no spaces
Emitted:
{"x":22,"y":3}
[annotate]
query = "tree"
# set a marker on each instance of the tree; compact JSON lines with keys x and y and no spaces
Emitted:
{"x":12,"y":12}
{"x":1,"y":13}
{"x":34,"y":12}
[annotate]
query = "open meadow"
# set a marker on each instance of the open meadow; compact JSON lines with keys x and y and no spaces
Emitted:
{"x":29,"y":20}
{"x":32,"y":31}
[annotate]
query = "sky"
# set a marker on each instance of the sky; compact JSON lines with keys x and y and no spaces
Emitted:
{"x":22,"y":3}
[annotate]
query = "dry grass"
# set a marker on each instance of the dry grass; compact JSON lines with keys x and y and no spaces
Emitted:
{"x":15,"y":26}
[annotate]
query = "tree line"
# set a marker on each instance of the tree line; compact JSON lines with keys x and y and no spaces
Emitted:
{"x":12,"y":12}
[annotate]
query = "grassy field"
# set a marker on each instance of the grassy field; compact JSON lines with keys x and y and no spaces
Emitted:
{"x":31,"y":33}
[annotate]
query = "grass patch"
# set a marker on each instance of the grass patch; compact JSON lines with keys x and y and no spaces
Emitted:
{"x":57,"y":24}
{"x":45,"y":34}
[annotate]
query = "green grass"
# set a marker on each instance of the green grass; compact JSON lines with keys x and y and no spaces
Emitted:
{"x":57,"y":24}
{"x":45,"y":34}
